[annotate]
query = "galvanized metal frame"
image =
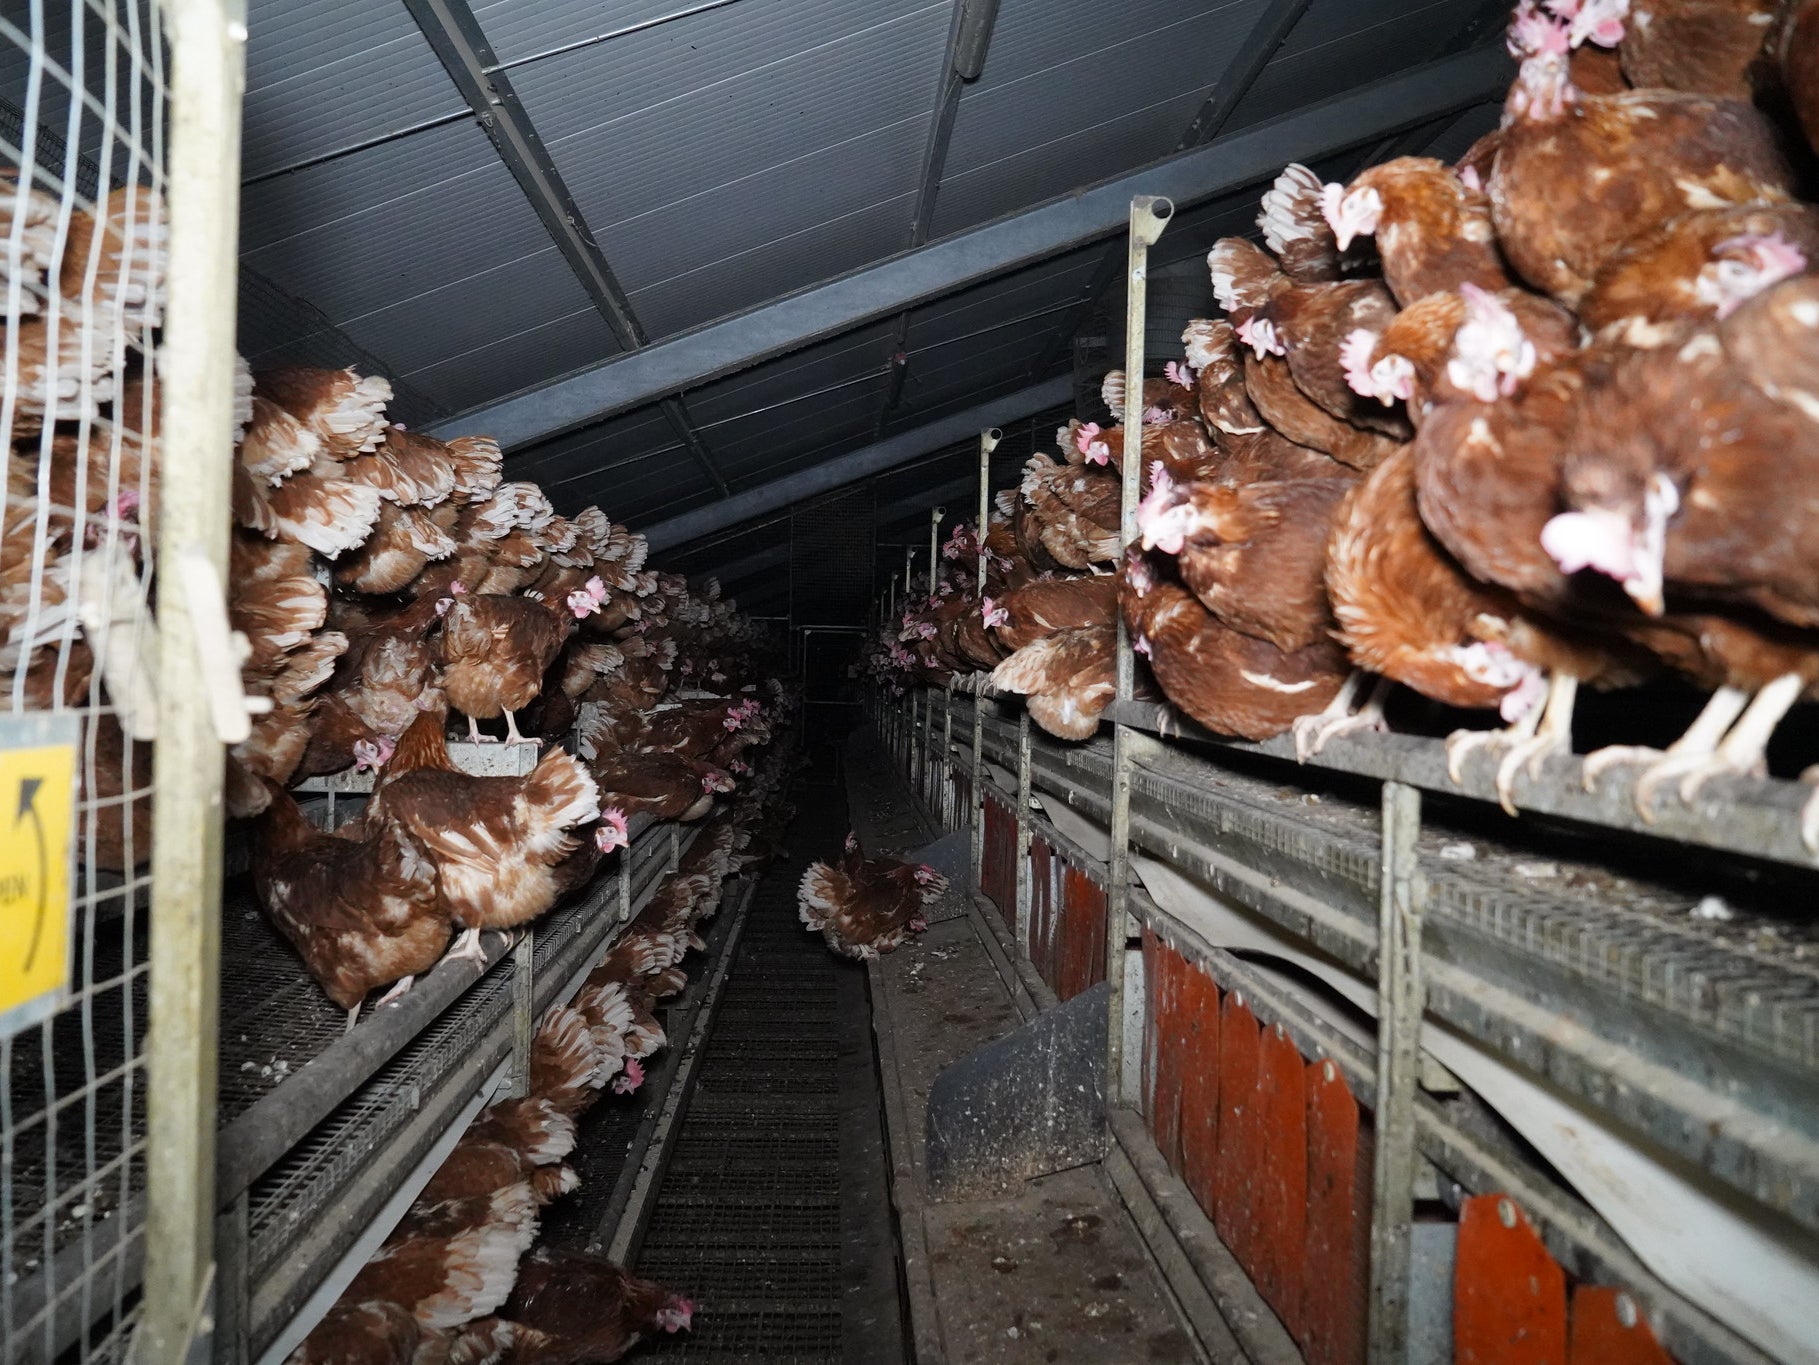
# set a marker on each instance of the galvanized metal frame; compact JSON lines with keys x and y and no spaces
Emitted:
{"x":1401,"y":1004}
{"x":1179,"y":817}
{"x":274,"y":1316}
{"x":1228,"y":163}
{"x":1752,"y":817}
{"x":988,"y":442}
{"x":461,"y":45}
{"x":1149,"y":216}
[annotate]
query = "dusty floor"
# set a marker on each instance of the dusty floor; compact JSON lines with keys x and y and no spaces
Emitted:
{"x":1051,"y":1271}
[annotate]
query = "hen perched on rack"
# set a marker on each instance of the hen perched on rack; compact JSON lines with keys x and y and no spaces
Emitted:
{"x":361,"y":907}
{"x":865,"y":907}
{"x":1583,"y":390}
{"x":493,"y":842}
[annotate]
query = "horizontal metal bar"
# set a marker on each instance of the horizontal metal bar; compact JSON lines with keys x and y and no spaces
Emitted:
{"x":282,"y":1295}
{"x":260,"y":1137}
{"x":859,"y":464}
{"x":1226,"y":164}
{"x":1599,"y":982}
{"x":1755,"y":817}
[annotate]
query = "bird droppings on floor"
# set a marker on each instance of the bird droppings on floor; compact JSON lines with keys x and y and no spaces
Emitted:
{"x":1050,"y":1272}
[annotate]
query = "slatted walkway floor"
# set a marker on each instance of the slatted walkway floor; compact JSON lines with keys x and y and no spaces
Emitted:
{"x":773,"y":1212}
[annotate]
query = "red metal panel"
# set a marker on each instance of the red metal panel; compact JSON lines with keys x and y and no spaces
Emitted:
{"x":1237,"y":1178}
{"x":1609,"y":1329}
{"x":1000,"y":849}
{"x":1165,"y":1118}
{"x":1152,"y":969}
{"x":1198,"y":1013}
{"x":1282,"y":1203}
{"x":1084,"y":913}
{"x":1509,"y":1295}
{"x":1335,"y":1299}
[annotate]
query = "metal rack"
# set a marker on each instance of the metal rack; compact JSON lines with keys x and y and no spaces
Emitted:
{"x":1567,"y":949}
{"x":1655,"y":975}
{"x":325,"y":1134}
{"x":306,"y":1169}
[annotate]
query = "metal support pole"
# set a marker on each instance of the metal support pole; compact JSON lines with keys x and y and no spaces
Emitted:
{"x":930,"y":770}
{"x":625,"y":884}
{"x":1024,"y":880}
{"x":1401,"y":997}
{"x":524,"y":1008}
{"x":196,"y":365}
{"x":947,"y":753}
{"x":1149,"y":216}
{"x":988,"y":442}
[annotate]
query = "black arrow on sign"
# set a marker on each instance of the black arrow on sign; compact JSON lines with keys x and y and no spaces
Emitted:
{"x":28,"y":805}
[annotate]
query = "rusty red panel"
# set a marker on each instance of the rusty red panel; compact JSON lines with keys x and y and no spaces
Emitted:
{"x":1282,"y":1190}
{"x":1083,"y":912}
{"x":994,"y":837}
{"x":1166,"y":1118}
{"x":1509,"y":1295}
{"x":1198,"y":1015}
{"x":1609,"y":1329}
{"x":1335,"y":1299}
{"x":1152,"y":969}
{"x":1236,"y":1180}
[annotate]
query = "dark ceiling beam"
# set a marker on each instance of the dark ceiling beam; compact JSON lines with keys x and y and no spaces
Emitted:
{"x":1243,"y":158}
{"x":860,"y":464}
{"x":1259,"y":47}
{"x":746,"y":566}
{"x":461,"y":45}
{"x":969,"y":38}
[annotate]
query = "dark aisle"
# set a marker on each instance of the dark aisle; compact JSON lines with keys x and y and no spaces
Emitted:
{"x":774,"y":1212}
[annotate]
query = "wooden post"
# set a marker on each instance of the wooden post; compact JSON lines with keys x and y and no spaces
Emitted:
{"x":196,"y":376}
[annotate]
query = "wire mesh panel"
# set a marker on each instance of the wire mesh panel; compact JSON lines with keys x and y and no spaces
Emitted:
{"x":83,"y":246}
{"x":831,"y":552}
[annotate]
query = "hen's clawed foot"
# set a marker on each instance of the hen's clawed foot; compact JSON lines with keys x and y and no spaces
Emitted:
{"x":1738,"y":754}
{"x":1462,"y":744}
{"x":353,"y":1017}
{"x":1554,"y":736}
{"x":468,"y":949}
{"x":511,"y":731}
{"x":1700,"y":739}
{"x":397,"y":991}
{"x":1313,"y":733}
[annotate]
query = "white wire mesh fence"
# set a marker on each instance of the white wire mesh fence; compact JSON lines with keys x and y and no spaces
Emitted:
{"x":83,"y":244}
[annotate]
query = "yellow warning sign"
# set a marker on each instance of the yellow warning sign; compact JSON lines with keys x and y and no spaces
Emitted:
{"x":37,"y":809}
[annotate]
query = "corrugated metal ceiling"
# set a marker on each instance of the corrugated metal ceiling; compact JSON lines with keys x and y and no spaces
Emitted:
{"x":723,"y":153}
